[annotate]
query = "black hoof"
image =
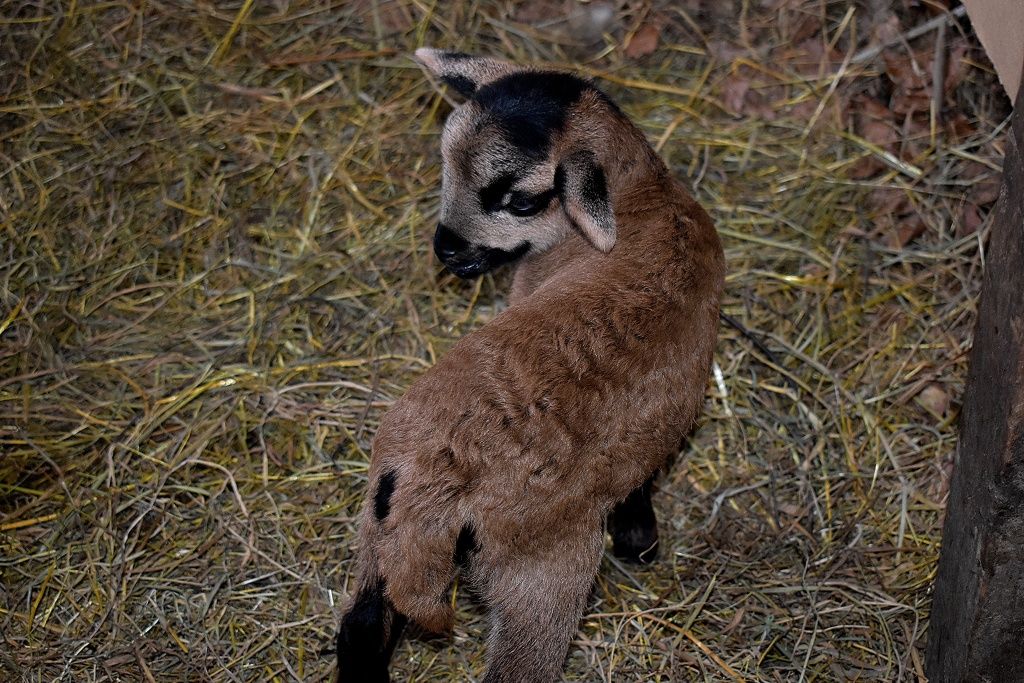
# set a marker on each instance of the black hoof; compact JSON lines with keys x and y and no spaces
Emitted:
{"x":638,"y":544}
{"x":634,"y":528}
{"x":366,"y":638}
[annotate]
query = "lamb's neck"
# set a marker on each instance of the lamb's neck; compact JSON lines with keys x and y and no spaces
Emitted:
{"x":638,"y":183}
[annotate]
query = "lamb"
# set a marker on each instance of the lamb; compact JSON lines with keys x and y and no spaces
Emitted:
{"x":504,"y":461}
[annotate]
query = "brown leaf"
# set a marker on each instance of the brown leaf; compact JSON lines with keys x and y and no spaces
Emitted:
{"x":804,"y":110}
{"x":896,"y":220}
{"x":879,"y":132}
{"x":802,"y":26}
{"x":644,"y":41}
{"x":889,"y":202}
{"x":908,"y":230}
{"x":536,"y":11}
{"x":958,"y":126}
{"x":736,"y":620}
{"x":734,"y":92}
{"x":873,"y":122}
{"x":970,"y":222}
{"x":809,"y":58}
{"x":985,"y":192}
{"x":758,"y":106}
{"x":911,"y":82}
{"x":956,"y":65}
{"x":792,"y":510}
{"x":394,"y":17}
{"x":935,"y":400}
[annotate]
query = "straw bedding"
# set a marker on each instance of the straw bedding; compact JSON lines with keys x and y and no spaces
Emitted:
{"x":215,"y":275}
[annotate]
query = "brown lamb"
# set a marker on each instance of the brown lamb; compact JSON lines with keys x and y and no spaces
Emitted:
{"x":506,"y":458}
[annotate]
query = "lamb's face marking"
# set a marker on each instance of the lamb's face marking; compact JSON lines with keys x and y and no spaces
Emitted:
{"x":498,"y":192}
{"x":508,"y":184}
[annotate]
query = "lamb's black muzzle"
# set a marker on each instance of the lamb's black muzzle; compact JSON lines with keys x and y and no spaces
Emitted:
{"x":468,"y":260}
{"x":448,"y":245}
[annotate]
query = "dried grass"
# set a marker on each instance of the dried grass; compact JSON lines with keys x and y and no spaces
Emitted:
{"x":215,"y":276}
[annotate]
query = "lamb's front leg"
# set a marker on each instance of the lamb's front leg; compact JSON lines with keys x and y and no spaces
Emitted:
{"x":633,"y":526}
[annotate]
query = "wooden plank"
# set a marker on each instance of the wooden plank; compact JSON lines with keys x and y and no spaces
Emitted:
{"x":976,"y":631}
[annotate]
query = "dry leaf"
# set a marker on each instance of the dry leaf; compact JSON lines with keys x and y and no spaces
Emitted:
{"x":537,"y":11}
{"x":644,"y":41}
{"x":873,"y":122}
{"x":809,"y":58}
{"x":907,"y":231}
{"x":394,"y":17}
{"x":971,"y":220}
{"x":985,"y":192}
{"x":736,"y":620}
{"x":911,"y":82}
{"x":889,"y":201}
{"x":802,"y":26}
{"x":956,"y":66}
{"x":896,"y":219}
{"x":792,"y":510}
{"x":958,"y":126}
{"x":734,"y":92}
{"x":935,"y":400}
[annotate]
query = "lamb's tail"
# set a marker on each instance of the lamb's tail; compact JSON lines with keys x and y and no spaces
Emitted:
{"x":407,"y":561}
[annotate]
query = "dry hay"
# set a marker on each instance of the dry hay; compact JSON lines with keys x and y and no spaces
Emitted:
{"x":215,"y":276}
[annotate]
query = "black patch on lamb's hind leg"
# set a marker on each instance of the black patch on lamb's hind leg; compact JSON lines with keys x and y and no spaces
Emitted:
{"x":367,"y":636}
{"x":382,"y":499}
{"x":634,"y":528}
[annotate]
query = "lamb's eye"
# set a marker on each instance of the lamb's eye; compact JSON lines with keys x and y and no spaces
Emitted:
{"x":520,"y":204}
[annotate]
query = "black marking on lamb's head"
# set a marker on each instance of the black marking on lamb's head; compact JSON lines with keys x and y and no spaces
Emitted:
{"x":531,"y":106}
{"x":499,"y":200}
{"x":593,"y":187}
{"x":461,"y":84}
{"x":382,"y":499}
{"x":476,"y":261}
{"x":492,"y":194}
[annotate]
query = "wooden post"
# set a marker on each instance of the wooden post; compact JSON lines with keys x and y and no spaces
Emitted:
{"x":977,"y":619}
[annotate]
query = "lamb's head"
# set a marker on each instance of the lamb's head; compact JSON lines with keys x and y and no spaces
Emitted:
{"x":522,"y":162}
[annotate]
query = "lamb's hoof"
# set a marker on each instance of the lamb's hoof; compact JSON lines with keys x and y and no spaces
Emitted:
{"x":637,"y":545}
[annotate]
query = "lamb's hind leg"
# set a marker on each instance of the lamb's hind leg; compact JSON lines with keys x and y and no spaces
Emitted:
{"x":633,"y":526}
{"x":536,"y":607}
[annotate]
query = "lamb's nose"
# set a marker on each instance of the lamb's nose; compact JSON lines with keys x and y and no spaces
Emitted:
{"x":447,"y":244}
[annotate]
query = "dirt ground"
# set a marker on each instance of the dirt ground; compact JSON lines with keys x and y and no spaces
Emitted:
{"x":215,"y":275}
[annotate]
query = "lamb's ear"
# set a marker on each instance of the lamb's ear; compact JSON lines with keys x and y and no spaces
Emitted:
{"x":464,"y":73}
{"x":583,"y":191}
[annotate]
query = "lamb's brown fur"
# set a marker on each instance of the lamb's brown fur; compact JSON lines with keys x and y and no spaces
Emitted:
{"x":529,"y":430}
